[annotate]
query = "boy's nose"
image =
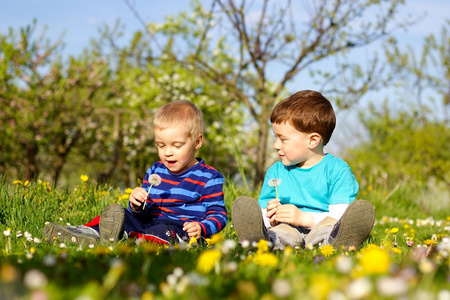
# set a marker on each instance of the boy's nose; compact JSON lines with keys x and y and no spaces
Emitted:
{"x":168,"y":152}
{"x":276,"y":145}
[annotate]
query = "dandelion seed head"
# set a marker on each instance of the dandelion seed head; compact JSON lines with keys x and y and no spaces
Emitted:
{"x":245,"y":244}
{"x":274,"y":182}
{"x":359,"y":288}
{"x":91,"y":246}
{"x":178,"y":272}
{"x":344,"y":264}
{"x":35,"y":279}
{"x":281,"y":288}
{"x":62,"y":245}
{"x":49,"y":260}
{"x":7,"y":232}
{"x":391,"y":286}
{"x":154,"y":179}
{"x":73,"y":239}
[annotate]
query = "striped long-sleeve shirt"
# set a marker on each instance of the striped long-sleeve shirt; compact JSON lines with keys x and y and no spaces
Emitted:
{"x":195,"y":195}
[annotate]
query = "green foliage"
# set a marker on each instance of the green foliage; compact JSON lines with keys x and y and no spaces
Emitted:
{"x":402,"y":156}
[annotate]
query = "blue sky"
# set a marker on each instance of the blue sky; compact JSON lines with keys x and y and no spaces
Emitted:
{"x":80,"y":19}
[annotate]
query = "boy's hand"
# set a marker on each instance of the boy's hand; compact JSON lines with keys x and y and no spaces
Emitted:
{"x":272,"y":207}
{"x":193,"y":229}
{"x":291,"y":214}
{"x":137,"y":198}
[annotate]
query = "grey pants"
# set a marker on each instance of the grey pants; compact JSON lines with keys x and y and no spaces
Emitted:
{"x":283,"y":235}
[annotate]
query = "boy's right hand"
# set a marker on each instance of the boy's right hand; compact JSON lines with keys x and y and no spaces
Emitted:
{"x":272,"y":207}
{"x":137,"y":198}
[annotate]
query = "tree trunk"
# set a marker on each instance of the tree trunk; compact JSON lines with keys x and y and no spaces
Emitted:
{"x":31,"y":168}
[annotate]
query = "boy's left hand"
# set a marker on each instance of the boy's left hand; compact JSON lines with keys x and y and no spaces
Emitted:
{"x":291,"y":214}
{"x":193,"y":229}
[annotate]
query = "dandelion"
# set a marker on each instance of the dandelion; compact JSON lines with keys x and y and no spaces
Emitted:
{"x":263,"y":246}
{"x":281,"y":288}
{"x":392,"y":286}
{"x":274,"y":183}
{"x":84,"y":178}
{"x":374,"y":260}
{"x":265,"y":259}
{"x":35,"y":279}
{"x":207,"y":260}
{"x":359,"y":289}
{"x":216,"y":238}
{"x":154,"y":180}
{"x":193,"y":241}
{"x":327,"y":250}
{"x":128,"y":191}
{"x":344,"y":264}
{"x":394,"y":230}
{"x":228,"y":245}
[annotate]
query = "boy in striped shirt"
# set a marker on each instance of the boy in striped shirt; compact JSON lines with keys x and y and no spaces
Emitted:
{"x":188,"y":201}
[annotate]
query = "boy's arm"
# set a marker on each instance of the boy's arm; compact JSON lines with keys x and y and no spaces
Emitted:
{"x":216,"y":212}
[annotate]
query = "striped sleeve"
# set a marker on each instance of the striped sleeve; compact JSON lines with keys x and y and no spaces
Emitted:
{"x":213,"y":201}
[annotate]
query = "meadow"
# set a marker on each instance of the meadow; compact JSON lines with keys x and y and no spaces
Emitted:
{"x":405,"y":257}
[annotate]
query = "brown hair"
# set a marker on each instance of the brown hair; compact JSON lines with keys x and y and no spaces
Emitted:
{"x":180,"y":112}
{"x":308,"y":112}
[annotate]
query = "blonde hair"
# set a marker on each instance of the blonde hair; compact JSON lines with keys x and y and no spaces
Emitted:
{"x":180,"y":112}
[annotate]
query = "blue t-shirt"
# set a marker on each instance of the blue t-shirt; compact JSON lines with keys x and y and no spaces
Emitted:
{"x":329,"y":182}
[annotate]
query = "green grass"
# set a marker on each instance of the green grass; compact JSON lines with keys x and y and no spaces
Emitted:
{"x":30,"y":267}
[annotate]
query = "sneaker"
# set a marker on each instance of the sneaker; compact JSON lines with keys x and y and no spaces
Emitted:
{"x":112,"y":222}
{"x":81,"y":234}
{"x":247,"y":219}
{"x":354,"y":226}
{"x":284,"y":235}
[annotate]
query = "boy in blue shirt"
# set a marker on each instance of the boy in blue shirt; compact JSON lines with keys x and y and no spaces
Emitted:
{"x":308,"y":197}
{"x":186,"y":202}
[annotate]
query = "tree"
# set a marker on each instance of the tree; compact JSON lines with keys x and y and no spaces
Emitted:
{"x":43,"y":103}
{"x":409,"y":142}
{"x":266,"y":47}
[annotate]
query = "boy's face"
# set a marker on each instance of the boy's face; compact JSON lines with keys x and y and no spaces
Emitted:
{"x":176,"y":149}
{"x":292,"y":146}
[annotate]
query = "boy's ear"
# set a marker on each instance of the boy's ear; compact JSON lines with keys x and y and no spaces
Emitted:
{"x":314,"y":140}
{"x":199,"y":142}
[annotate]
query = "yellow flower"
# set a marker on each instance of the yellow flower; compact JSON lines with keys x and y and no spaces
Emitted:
{"x":396,"y":250}
{"x":216,"y":238}
{"x":84,"y":178}
{"x":128,"y":191}
{"x":327,"y":250}
{"x":192,"y":241}
{"x":321,"y":285}
{"x":208,"y":260}
{"x":374,"y":260}
{"x":265,"y":259}
{"x":26,"y":183}
{"x":263,"y":246}
{"x":394,"y":230}
{"x":18,"y":182}
{"x":125,"y":196}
